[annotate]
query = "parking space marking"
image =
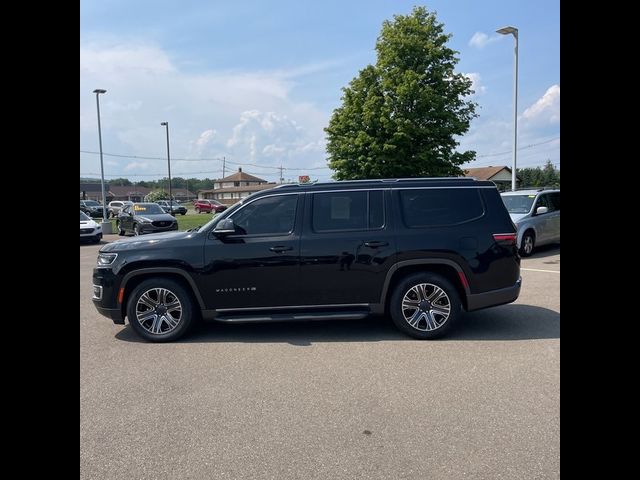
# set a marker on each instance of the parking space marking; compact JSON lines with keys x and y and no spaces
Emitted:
{"x":539,"y":270}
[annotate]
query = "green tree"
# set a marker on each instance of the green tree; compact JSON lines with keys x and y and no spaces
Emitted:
{"x":157,"y":195}
{"x":120,"y":181}
{"x":401,"y":116}
{"x":548,"y":176}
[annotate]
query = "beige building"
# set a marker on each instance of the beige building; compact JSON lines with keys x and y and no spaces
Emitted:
{"x":501,"y":176}
{"x":229,"y":190}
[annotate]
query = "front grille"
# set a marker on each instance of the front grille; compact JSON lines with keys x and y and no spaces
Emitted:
{"x":162,"y":223}
{"x":86,"y":230}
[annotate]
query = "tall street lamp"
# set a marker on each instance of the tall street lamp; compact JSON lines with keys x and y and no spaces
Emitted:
{"x":166,"y":124}
{"x":106,"y":226}
{"x":513,"y":31}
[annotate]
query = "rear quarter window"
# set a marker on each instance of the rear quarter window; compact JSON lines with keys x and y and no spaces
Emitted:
{"x":440,"y":207}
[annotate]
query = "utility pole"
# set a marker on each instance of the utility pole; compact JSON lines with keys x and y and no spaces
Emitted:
{"x":281,"y":179}
{"x":224,"y":164}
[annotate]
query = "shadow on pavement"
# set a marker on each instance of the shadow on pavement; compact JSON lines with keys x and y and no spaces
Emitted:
{"x":507,"y":322}
{"x":546,"y":251}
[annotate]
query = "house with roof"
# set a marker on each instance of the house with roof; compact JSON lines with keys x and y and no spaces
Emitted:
{"x":93,"y":191}
{"x":132,"y":193}
{"x":231,"y":189}
{"x":500,"y":175}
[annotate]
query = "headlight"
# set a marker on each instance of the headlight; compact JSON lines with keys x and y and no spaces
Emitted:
{"x":106,"y":259}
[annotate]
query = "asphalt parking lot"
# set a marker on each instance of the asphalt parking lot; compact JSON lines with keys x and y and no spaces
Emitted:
{"x":327,"y":400}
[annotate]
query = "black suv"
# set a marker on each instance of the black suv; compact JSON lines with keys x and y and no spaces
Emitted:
{"x":420,"y":250}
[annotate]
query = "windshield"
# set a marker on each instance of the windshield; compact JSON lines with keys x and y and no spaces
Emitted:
{"x":91,"y":203}
{"x":147,"y":209}
{"x":84,"y":217}
{"x":518,"y":203}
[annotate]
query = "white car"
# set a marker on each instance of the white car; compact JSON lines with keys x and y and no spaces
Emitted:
{"x":89,"y":229}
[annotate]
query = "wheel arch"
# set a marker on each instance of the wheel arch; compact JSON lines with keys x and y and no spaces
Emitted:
{"x":132,"y":279}
{"x":445,"y":267}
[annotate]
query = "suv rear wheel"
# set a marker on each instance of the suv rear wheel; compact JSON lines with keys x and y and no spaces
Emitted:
{"x":425,"y":305}
{"x":160,"y":309}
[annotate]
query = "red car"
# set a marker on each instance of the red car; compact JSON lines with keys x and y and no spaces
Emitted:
{"x":208,"y":206}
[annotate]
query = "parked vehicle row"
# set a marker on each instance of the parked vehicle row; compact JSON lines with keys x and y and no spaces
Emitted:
{"x":140,"y":218}
{"x":89,"y":230}
{"x":208,"y":206}
{"x":172,"y":207}
{"x":422,"y":250}
{"x":91,"y":208}
{"x":536,"y":214}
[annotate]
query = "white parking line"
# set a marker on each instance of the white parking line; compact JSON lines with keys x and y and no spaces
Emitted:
{"x":538,"y":270}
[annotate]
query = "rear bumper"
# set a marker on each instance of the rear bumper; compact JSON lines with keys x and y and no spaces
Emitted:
{"x":494,"y":297}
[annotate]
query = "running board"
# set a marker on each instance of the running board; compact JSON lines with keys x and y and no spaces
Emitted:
{"x":288,"y":317}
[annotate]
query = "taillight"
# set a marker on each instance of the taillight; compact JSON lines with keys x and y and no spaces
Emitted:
{"x":505,"y":238}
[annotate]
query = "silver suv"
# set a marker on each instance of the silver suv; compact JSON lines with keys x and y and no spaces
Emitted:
{"x":116,"y":206}
{"x":536,"y":214}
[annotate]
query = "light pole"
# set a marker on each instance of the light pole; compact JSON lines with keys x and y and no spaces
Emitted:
{"x":106,"y":226}
{"x":513,"y":31}
{"x":166,"y":124}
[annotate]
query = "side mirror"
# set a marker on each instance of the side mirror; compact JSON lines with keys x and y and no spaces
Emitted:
{"x":225,"y":227}
{"x":541,"y":210}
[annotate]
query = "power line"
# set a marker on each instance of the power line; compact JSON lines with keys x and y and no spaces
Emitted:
{"x":217,"y":159}
{"x":520,"y":148}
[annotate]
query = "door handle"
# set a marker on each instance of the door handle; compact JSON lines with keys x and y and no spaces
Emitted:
{"x":376,"y":244}
{"x":280,"y":249}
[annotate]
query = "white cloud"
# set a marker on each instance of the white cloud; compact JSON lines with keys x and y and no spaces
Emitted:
{"x":476,"y":83}
{"x":546,"y":109}
{"x":145,"y":86}
{"x":481,"y":39}
{"x":271,"y":136}
{"x":136,"y":166}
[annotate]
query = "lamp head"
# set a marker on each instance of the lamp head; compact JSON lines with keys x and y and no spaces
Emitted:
{"x":508,"y":30}
{"x":99,"y":90}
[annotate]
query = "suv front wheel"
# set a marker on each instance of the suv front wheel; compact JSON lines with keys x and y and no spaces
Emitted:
{"x":160,"y":310}
{"x":425,"y":305}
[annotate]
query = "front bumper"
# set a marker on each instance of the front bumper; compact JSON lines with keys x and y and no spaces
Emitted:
{"x":114,"y":314}
{"x":105,"y":294}
{"x":494,"y":298}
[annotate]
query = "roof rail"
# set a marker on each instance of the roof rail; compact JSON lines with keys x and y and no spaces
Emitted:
{"x":537,"y":189}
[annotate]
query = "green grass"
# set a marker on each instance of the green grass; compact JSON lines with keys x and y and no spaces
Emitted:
{"x":185,"y":222}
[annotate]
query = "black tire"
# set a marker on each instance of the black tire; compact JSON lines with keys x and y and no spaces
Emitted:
{"x":136,"y":229}
{"x":197,"y":210}
{"x":121,"y":232}
{"x":97,"y":239}
{"x":183,"y":213}
{"x":528,"y":244}
{"x":431,"y":323}
{"x":184,"y":318}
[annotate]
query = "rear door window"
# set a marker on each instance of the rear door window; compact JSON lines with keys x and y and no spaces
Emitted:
{"x":432,"y":207}
{"x":348,"y":211}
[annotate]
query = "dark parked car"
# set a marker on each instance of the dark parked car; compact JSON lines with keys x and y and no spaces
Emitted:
{"x":421,"y":250}
{"x":173,"y":208}
{"x":140,"y":218}
{"x":208,"y":206}
{"x":91,"y":208}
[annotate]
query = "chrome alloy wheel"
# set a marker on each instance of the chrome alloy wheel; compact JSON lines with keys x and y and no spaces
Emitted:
{"x":528,"y":244}
{"x":426,"y":307}
{"x":158,"y":311}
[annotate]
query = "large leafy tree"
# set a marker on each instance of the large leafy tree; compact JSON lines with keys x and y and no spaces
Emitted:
{"x":401,"y":116}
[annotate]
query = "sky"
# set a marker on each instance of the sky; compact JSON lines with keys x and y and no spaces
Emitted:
{"x":256,"y":82}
